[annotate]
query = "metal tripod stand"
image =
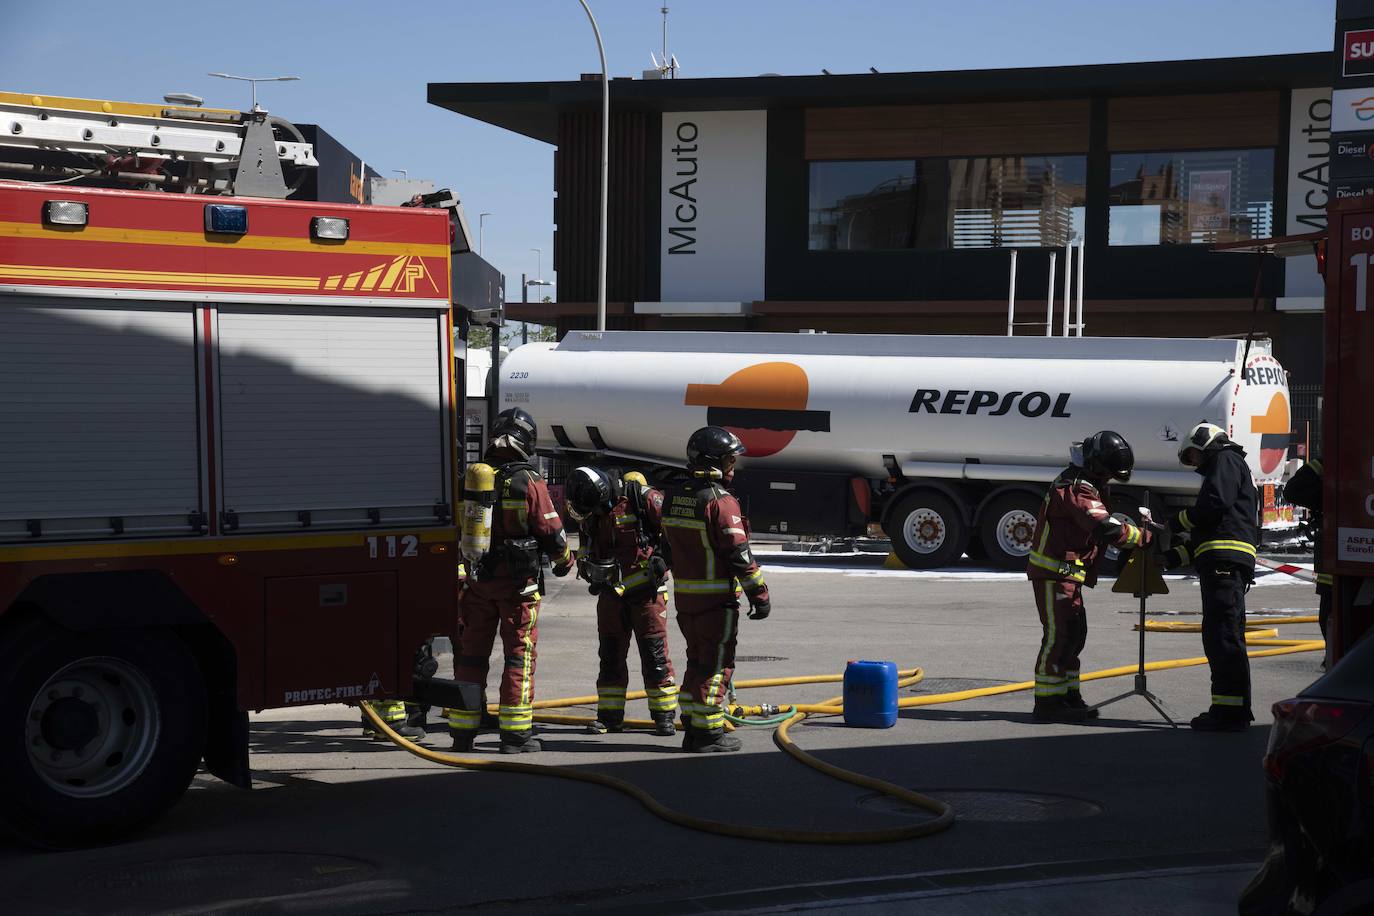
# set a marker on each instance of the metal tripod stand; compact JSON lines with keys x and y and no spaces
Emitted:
{"x":1143,"y":562}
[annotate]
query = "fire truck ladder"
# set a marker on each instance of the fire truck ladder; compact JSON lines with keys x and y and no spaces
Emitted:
{"x":198,"y":150}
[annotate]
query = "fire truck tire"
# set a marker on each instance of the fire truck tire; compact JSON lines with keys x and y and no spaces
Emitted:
{"x":1006,"y":527}
{"x":927,"y":530}
{"x":102,"y":732}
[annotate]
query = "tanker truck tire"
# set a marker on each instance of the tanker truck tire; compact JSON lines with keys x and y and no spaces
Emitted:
{"x":1007,"y":526}
{"x":102,"y":732}
{"x":927,"y":530}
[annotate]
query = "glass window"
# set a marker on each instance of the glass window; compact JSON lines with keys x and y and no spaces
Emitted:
{"x":938,"y":204}
{"x":862,"y":205}
{"x":1015,"y":201}
{"x":1191,"y":198}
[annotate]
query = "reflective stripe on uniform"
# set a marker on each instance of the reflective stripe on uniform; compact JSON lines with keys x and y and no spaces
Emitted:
{"x":754,"y":579}
{"x":528,"y":668}
{"x":463,"y":719}
{"x":391,"y":711}
{"x":1223,"y":699}
{"x":516,"y":718}
{"x":703,"y":586}
{"x":740,"y":531}
{"x":1184,"y":521}
{"x":610,"y":698}
{"x":1238,"y":546}
{"x":1325,"y":579}
{"x":662,"y":699}
{"x":1044,"y":681}
{"x":674,"y":522}
{"x":550,"y":515}
{"x":1071,"y":569}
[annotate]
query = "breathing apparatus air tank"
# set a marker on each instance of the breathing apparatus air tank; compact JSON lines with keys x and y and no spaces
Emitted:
{"x":479,"y":498}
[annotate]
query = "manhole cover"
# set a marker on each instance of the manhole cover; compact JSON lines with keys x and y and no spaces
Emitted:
{"x":208,"y":877}
{"x":760,"y":658}
{"x":954,"y":684}
{"x":995,"y":805}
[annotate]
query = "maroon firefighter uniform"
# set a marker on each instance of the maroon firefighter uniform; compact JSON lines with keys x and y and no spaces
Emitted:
{"x":633,"y":604}
{"x":1070,"y":534}
{"x":503,"y":593}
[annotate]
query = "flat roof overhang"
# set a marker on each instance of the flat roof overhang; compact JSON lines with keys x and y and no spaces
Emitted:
{"x":532,"y":108}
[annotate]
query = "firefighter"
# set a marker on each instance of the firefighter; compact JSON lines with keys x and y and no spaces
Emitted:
{"x":1222,"y":531}
{"x":1304,"y":489}
{"x":503,"y":590}
{"x":620,"y":558}
{"x":1073,"y":526}
{"x":709,"y":546}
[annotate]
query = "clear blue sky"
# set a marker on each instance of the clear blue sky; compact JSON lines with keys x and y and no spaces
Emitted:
{"x":364,"y":65}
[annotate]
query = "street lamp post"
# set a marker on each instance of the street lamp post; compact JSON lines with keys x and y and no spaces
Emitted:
{"x":254,"y":80}
{"x":481,"y":231}
{"x":605,"y":169}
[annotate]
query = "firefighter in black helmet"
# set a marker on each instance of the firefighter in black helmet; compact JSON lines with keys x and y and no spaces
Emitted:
{"x":712,"y":563}
{"x":1070,"y":534}
{"x":503,"y":591}
{"x":621,"y":560}
{"x":1223,"y":530}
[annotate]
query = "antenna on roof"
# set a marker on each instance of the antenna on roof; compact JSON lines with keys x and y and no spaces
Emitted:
{"x":665,"y":67}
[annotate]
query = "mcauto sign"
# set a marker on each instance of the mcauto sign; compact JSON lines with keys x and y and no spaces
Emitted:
{"x":713,"y":185}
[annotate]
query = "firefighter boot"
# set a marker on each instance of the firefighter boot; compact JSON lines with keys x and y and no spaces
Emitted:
{"x":1056,"y":709}
{"x":663,"y":724}
{"x":1074,"y":700}
{"x":711,"y":741}
{"x":519,"y":742}
{"x":463,"y":739}
{"x":608,"y":721}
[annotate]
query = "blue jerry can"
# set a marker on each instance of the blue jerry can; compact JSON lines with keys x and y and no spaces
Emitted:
{"x":870,"y":694}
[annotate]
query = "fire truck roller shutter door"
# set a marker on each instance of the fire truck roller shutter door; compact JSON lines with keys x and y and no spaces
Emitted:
{"x":98,"y":418}
{"x":331,"y":412}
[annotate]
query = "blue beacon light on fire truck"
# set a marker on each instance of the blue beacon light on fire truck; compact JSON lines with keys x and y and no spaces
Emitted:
{"x":227,"y":219}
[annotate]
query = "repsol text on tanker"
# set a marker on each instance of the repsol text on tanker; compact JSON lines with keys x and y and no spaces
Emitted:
{"x":965,"y":401}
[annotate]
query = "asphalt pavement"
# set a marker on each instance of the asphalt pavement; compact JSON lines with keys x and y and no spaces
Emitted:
{"x":1122,"y":815}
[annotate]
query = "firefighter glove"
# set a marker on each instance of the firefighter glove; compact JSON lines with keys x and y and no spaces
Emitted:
{"x":1176,"y":556}
{"x":562,"y":569}
{"x":759,"y":609}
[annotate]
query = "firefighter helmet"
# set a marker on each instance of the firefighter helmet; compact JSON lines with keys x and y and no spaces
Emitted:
{"x":636,"y":478}
{"x":1204,"y":437}
{"x":590,"y":490}
{"x":515,"y":428}
{"x":1107,"y":456}
{"x":710,"y":446}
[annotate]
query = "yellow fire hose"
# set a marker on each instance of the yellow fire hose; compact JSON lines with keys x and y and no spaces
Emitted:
{"x":944,"y":814}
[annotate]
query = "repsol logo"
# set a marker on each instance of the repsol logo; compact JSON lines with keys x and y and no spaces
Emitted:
{"x":1265,"y":375}
{"x":960,"y":400}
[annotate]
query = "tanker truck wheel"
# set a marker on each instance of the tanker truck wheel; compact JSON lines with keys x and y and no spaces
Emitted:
{"x":100,"y":731}
{"x":927,"y":530}
{"x":1007,"y":526}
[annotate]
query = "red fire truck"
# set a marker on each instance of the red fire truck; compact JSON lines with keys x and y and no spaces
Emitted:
{"x":227,"y":456}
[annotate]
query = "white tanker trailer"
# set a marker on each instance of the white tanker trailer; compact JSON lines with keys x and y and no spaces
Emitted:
{"x":946,"y":441}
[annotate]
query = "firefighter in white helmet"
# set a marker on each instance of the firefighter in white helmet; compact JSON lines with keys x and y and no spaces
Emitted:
{"x":1222,"y":531}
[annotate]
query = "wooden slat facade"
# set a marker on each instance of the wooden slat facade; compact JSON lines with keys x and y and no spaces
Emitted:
{"x":915,"y":131}
{"x":1181,"y":122}
{"x":577,"y":201}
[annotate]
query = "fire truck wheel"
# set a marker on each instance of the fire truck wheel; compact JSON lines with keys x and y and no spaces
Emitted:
{"x":926,"y":530}
{"x":1007,"y":525}
{"x":105,"y":732}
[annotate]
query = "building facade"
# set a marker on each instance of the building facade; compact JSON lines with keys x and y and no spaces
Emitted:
{"x":891,"y":203}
